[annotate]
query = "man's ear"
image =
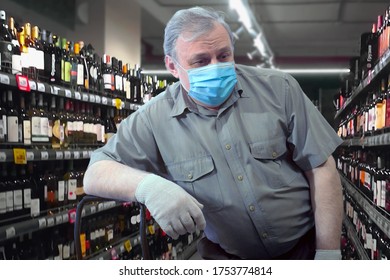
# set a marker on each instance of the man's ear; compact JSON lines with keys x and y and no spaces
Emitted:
{"x":171,"y":67}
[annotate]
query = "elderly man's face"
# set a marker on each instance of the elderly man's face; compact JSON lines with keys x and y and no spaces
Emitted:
{"x":211,"y":48}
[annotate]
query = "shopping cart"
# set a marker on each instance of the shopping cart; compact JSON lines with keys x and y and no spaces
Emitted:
{"x":77,"y":226}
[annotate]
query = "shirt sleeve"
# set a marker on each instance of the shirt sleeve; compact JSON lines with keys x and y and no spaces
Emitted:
{"x":132,"y":145}
{"x":310,"y":137}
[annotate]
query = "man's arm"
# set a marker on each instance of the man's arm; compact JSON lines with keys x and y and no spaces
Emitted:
{"x":327,"y":203}
{"x":176,"y":211}
{"x":111,"y":179}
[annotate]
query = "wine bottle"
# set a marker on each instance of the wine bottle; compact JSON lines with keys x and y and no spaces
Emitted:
{"x":3,"y":119}
{"x":39,"y":53}
{"x":70,"y":179}
{"x":12,"y":120}
{"x":58,"y":138}
{"x":30,"y":61}
{"x":44,"y":120}
{"x":16,"y":54}
{"x":5,"y":44}
{"x":24,"y":123}
{"x":49,"y":56}
{"x":108,"y":76}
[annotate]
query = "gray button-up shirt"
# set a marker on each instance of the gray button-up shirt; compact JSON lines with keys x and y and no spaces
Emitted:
{"x":244,"y":162}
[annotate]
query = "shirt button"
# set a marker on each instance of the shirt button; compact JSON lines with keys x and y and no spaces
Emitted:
{"x":189,"y":176}
{"x":228,"y":147}
{"x":264,"y":235}
{"x":240,"y":177}
{"x":251,"y":208}
{"x":274,"y":154}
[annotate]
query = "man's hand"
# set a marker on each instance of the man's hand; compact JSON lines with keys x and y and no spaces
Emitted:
{"x":176,"y":211}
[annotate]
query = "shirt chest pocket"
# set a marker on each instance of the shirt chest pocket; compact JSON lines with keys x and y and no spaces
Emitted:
{"x":273,"y":162}
{"x":199,"y":178}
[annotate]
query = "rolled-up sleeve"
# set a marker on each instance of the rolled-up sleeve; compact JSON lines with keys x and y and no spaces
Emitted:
{"x":311,"y":137}
{"x":132,"y":145}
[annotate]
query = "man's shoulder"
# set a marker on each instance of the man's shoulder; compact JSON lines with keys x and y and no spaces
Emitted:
{"x":252,"y":71}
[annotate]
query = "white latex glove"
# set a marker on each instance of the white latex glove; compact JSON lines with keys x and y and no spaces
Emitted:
{"x":328,"y":255}
{"x":176,"y":211}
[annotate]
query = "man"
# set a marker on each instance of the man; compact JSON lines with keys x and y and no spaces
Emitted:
{"x":236,"y":151}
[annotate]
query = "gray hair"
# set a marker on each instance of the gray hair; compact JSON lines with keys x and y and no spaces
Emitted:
{"x":196,"y":21}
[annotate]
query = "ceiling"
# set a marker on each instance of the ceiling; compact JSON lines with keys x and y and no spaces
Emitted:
{"x":301,"y":33}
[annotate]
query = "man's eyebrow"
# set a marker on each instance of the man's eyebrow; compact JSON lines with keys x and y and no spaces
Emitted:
{"x":205,"y":54}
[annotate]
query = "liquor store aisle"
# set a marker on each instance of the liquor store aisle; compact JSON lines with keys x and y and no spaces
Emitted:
{"x":65,"y":88}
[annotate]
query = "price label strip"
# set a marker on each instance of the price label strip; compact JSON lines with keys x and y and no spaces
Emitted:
{"x":4,"y":79}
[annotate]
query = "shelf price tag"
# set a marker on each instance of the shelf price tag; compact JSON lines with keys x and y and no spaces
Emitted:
{"x":100,"y":207}
{"x":76,"y":154}
{"x":44,"y":155}
{"x":117,"y":103}
{"x":3,"y":157}
{"x":59,"y":219}
{"x":55,"y":90}
{"x":85,"y":154}
{"x":50,"y":222}
{"x":59,"y":155}
{"x":33,"y":85}
{"x":41,"y":87}
{"x":104,"y":100}
{"x":77,"y":95}
{"x":10,"y":232}
{"x":22,"y":83}
{"x":65,"y":218}
{"x":127,"y":245}
{"x":93,"y":209}
{"x":72,"y":215}
{"x":98,"y":99}
{"x":85,"y":97}
{"x":42,"y":223}
{"x":92,"y":98}
{"x":30,"y":156}
{"x":68,"y":93}
{"x":20,"y":156}
{"x":4,"y":79}
{"x":67,"y":154}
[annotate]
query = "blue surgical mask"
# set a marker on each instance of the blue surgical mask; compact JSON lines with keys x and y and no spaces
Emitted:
{"x":212,"y":85}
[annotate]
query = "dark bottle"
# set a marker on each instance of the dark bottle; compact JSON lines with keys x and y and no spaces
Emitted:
{"x":368,"y":50}
{"x":6,"y":45}
{"x":51,"y":190}
{"x":49,"y":56}
{"x":24,"y":123}
{"x":39,"y":53}
{"x":108,"y":75}
{"x":66,"y":65}
{"x":70,"y":179}
{"x":44,"y":120}
{"x":3,"y":190}
{"x":58,"y":59}
{"x":12,"y":120}
{"x":109,"y":127}
{"x":69,"y":127}
{"x":16,"y":54}
{"x":80,"y":68}
{"x":29,"y":62}
{"x":59,"y":123}
{"x":3,"y":118}
{"x":52,"y":117}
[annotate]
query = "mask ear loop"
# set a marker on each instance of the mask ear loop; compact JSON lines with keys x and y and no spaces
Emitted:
{"x":178,"y":64}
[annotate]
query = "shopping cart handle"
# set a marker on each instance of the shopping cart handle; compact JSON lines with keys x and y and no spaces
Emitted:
{"x":77,"y":226}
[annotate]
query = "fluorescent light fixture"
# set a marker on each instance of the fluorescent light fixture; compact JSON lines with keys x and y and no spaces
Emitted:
{"x":317,"y":71}
{"x":290,"y":70}
{"x":258,"y":43}
{"x":242,"y":12}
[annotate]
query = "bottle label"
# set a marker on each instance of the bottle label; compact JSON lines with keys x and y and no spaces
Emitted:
{"x":67,"y":71}
{"x":98,"y":129}
{"x":36,"y":126}
{"x":80,"y":74}
{"x":3,"y":121}
{"x":107,"y":81}
{"x":3,"y":203}
{"x":10,"y":201}
{"x":27,"y":198}
{"x":44,"y":126}
{"x":35,"y":207}
{"x":50,"y":129}
{"x":16,"y":64}
{"x":61,"y":191}
{"x":18,"y":199}
{"x":118,"y":82}
{"x":13,"y":129}
{"x":72,"y":185}
{"x":40,"y":59}
{"x":27,"y":132}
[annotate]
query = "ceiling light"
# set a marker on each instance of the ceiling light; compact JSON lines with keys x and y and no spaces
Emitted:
{"x":317,"y":71}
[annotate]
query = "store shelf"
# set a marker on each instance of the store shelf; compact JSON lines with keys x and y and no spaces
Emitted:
{"x":355,"y":240}
{"x":188,"y":251}
{"x":373,"y":74}
{"x":7,"y":155}
{"x":378,"y":218}
{"x":369,"y":141}
{"x":119,"y":247}
{"x":62,"y":217}
{"x":10,"y":80}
